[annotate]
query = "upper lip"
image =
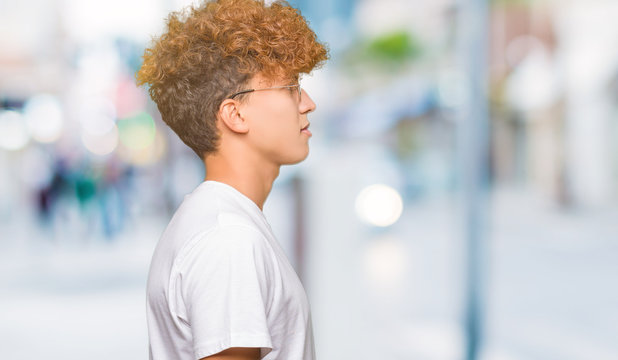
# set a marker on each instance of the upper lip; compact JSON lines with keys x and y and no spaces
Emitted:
{"x":305,"y":127}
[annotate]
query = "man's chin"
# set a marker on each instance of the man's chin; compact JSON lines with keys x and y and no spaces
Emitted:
{"x":296,"y":160}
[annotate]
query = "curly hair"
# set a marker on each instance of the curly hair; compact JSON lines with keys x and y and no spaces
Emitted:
{"x":212,"y":50}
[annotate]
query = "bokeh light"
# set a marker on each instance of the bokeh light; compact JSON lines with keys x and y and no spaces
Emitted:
{"x":101,"y":144}
{"x":147,"y":155}
{"x":379,"y":205}
{"x":129,"y":99}
{"x":137,"y":132}
{"x":44,"y":117}
{"x":13,"y":131}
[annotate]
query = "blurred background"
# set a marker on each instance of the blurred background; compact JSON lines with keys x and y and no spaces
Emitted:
{"x":460,"y":200}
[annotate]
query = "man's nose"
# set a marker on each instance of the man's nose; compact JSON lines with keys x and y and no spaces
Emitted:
{"x":306,"y":103}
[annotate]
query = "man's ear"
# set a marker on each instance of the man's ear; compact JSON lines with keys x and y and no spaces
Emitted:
{"x":229,"y":113}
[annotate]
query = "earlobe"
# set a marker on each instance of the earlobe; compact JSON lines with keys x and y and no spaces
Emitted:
{"x":229,"y":113}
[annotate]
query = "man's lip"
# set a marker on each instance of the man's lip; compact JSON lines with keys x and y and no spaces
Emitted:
{"x":306,"y":130}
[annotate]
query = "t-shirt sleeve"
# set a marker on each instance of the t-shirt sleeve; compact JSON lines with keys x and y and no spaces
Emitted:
{"x":226,"y":291}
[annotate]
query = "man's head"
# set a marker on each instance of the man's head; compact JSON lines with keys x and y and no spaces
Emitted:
{"x":220,"y":48}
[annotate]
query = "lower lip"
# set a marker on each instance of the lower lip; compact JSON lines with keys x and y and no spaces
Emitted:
{"x":306,"y":131}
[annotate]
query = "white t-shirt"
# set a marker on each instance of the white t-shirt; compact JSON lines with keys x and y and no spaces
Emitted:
{"x":219,"y":279}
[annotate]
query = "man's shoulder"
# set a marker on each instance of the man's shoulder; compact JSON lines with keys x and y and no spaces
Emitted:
{"x":231,"y":239}
{"x":235,"y":219}
{"x":193,"y":227}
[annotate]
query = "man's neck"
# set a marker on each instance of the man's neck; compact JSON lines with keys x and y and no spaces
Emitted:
{"x":251,"y":178}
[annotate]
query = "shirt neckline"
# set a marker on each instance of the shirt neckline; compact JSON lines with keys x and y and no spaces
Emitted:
{"x":244,"y":197}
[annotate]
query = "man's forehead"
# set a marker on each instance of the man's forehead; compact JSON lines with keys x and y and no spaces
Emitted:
{"x":261,"y":80}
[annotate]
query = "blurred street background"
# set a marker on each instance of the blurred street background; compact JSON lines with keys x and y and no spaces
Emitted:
{"x":460,"y":200}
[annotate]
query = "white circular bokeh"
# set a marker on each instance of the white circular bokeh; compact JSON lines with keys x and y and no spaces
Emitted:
{"x":101,"y":144}
{"x":44,"y":117}
{"x":379,"y":205}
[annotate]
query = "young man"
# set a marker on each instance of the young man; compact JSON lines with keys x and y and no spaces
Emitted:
{"x":225,"y":77}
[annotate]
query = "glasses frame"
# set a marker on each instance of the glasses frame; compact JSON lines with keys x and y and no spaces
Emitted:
{"x":300,"y":90}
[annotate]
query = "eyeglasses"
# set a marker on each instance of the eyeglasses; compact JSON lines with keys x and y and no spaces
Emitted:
{"x":297,"y":86}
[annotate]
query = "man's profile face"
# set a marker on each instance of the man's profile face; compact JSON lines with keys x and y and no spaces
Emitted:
{"x":276,"y":118}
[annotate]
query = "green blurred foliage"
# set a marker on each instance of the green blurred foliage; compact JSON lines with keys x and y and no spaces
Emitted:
{"x":394,"y":47}
{"x":390,"y":51}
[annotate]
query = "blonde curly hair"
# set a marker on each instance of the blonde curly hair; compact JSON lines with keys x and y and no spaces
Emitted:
{"x":212,"y":50}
